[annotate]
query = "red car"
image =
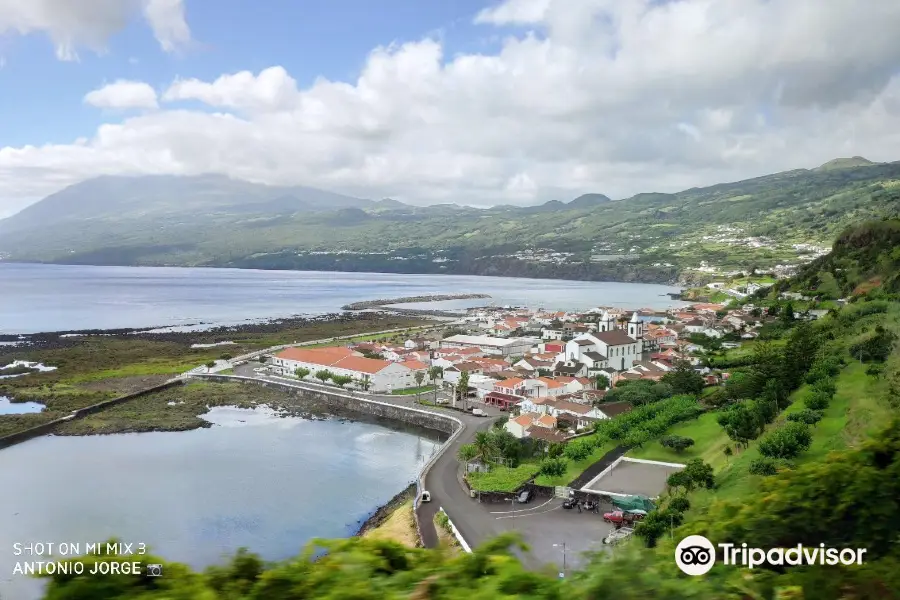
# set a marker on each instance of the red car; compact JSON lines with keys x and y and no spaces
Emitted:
{"x":621,"y":517}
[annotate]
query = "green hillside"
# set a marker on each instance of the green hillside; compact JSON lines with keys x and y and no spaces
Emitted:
{"x":649,"y":237}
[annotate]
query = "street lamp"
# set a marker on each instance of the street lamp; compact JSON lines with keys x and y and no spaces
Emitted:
{"x":563,"y":546}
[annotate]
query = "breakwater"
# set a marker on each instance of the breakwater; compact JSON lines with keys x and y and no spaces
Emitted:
{"x":369,"y":304}
{"x":47,"y":428}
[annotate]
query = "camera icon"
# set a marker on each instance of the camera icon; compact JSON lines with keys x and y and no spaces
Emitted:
{"x":695,"y":555}
{"x":154,"y":570}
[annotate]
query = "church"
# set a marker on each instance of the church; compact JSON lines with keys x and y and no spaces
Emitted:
{"x":606,"y":350}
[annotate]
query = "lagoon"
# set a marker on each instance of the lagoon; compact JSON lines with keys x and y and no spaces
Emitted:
{"x":254,"y":479}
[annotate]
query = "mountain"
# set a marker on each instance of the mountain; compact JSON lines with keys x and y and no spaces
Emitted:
{"x":167,"y":197}
{"x":846,"y":163}
{"x":588,"y":201}
{"x":785,"y":218}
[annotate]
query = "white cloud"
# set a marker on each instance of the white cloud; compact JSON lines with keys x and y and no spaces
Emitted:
{"x":123,"y":94}
{"x":71,"y":24}
{"x":603,"y":96}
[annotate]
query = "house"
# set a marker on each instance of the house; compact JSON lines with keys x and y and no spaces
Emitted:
{"x":534,"y":405}
{"x":575,"y":384}
{"x":531,"y":363}
{"x":490,"y":345}
{"x":414,"y":344}
{"x":382,"y":375}
{"x":503,"y":401}
{"x":489,"y":365}
{"x":551,"y":347}
{"x":544,"y":386}
{"x":518,"y":426}
{"x":558,"y":407}
{"x":614,"y":409}
{"x":571,"y":368}
{"x":552,"y":436}
{"x":512,"y":386}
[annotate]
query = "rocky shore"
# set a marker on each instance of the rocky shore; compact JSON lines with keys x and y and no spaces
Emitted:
{"x":383,"y":512}
{"x":382,"y":303}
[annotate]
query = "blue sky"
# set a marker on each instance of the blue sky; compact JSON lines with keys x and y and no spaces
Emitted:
{"x":41,"y":96}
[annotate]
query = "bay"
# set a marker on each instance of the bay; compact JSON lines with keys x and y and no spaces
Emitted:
{"x":254,"y":480}
{"x":36,"y":298}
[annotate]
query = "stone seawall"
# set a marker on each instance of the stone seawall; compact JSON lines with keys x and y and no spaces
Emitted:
{"x":413,"y":416}
{"x":47,"y":428}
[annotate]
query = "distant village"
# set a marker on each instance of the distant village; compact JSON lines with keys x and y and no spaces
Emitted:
{"x":549,"y":370}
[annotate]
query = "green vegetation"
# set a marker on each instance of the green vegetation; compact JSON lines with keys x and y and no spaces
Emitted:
{"x":413,"y":391}
{"x":174,"y":409}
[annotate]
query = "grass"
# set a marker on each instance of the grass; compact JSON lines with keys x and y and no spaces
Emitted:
{"x":399,"y":527}
{"x":575,"y":468}
{"x":503,"y":479}
{"x":709,"y":443}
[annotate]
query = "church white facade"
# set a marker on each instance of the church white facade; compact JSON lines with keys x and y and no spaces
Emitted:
{"x":608,"y":348}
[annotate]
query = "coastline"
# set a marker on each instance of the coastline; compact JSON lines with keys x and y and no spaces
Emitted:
{"x":381,"y":514}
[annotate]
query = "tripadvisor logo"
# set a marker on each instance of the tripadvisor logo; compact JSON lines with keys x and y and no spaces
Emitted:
{"x":696,"y":555}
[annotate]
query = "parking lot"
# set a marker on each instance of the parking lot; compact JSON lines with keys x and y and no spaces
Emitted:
{"x":629,"y":476}
{"x":544,"y":522}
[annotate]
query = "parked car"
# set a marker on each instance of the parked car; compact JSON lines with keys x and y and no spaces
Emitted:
{"x":426,"y":496}
{"x":621,"y":517}
{"x":525,"y":497}
{"x":569,"y":503}
{"x":479,"y":413}
{"x":617,"y":535}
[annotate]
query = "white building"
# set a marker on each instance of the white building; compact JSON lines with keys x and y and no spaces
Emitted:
{"x":382,"y":375}
{"x":490,"y":345}
{"x":609,"y":347}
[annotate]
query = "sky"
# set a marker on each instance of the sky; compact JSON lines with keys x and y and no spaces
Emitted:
{"x":427,"y":101}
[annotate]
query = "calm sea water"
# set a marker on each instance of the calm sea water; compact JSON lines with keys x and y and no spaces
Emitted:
{"x":66,"y":297}
{"x":255,"y":480}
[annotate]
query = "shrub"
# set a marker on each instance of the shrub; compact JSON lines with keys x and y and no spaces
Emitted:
{"x":787,"y":442}
{"x":875,"y":370}
{"x":825,"y":386}
{"x":817,"y":401}
{"x":680,"y":504}
{"x":676,"y":442}
{"x":807,"y":416}
{"x":762,"y":466}
{"x":579,"y":449}
{"x":553,"y":467}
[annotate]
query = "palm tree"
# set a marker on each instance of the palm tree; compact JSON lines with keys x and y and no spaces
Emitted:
{"x":419,"y":376}
{"x":433,"y":374}
{"x":483,"y":443}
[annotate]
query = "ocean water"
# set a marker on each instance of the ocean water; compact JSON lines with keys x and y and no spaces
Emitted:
{"x":70,"y":297}
{"x":257,"y":480}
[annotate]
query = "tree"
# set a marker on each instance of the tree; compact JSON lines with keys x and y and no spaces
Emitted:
{"x":799,"y":354}
{"x":467,"y":452}
{"x":684,"y":379}
{"x":727,"y":451}
{"x":676,"y":442}
{"x":786,"y":317}
{"x":364,"y":382}
{"x":462,"y":388}
{"x":680,"y":479}
{"x":741,"y":423}
{"x":806,"y":416}
{"x":323,"y":375}
{"x":680,"y":504}
{"x":434,"y":373}
{"x":762,"y":466}
{"x":553,"y":467}
{"x":786,"y":442}
{"x":601,"y":381}
{"x":700,"y":473}
{"x":483,"y":443}
{"x":301,"y":372}
{"x":341,"y":380}
{"x":210,"y":365}
{"x":419,"y":376}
